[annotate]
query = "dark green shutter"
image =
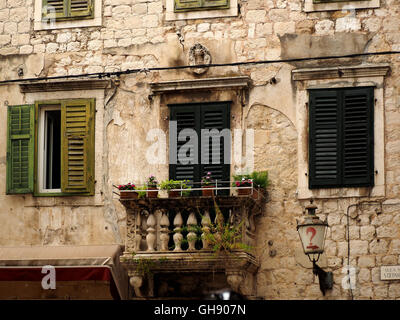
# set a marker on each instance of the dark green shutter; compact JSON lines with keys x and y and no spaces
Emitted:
{"x":341,"y":138}
{"x":197,"y":117}
{"x":358,"y":137}
{"x":182,"y":5}
{"x":188,"y":5}
{"x":20,"y":145}
{"x":81,"y":8}
{"x":217,"y":4}
{"x":54,"y":9}
{"x":77,"y":136}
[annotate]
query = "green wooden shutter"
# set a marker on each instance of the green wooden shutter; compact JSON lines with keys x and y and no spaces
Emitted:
{"x":54,"y":9}
{"x":324,"y":139}
{"x":216,"y":4}
{"x":81,"y":8}
{"x":20,"y":145}
{"x":186,"y":5}
{"x":358,"y":137}
{"x":67,"y":9}
{"x":77,"y":136}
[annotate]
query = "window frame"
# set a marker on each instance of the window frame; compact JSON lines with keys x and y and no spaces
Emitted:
{"x":41,"y":172}
{"x":76,"y":22}
{"x":340,"y":77}
{"x":315,"y":183}
{"x":37,"y":192}
{"x":199,"y":109}
{"x":344,"y":5}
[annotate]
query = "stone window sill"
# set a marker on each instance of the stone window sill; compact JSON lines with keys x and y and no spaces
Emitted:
{"x":310,"y":6}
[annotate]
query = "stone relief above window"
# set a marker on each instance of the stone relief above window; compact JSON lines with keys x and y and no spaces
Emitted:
{"x":328,"y":5}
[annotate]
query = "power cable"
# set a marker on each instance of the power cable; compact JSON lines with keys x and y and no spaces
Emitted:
{"x":101,"y":75}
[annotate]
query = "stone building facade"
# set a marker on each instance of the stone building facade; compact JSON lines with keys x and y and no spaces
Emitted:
{"x":273,"y":99}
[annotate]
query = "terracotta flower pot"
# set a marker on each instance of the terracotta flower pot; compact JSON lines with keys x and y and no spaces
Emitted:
{"x":243,"y":192}
{"x":128,"y":195}
{"x":174,"y":194}
{"x":206,"y":192}
{"x":152,"y":194}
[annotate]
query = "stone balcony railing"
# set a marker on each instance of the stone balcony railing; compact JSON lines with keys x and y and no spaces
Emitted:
{"x":170,"y":235}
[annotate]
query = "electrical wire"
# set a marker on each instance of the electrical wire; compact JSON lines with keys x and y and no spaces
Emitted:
{"x":101,"y":75}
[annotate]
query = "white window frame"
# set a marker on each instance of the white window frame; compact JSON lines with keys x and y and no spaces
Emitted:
{"x":352,"y":77}
{"x":94,"y":22}
{"x":310,"y":6}
{"x":42,"y":151}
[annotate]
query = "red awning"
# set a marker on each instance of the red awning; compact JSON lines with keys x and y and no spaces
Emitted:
{"x":71,"y":263}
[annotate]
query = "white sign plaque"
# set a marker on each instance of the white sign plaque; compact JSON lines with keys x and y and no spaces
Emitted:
{"x":390,"y":273}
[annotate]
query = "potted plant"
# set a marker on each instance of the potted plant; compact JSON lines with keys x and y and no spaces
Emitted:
{"x":126,"y":191}
{"x":243,"y":181}
{"x":169,"y":185}
{"x":151,"y":184}
{"x":206,"y":183}
{"x":260,"y":183}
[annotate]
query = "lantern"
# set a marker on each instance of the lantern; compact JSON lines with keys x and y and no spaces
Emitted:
{"x":312,"y":234}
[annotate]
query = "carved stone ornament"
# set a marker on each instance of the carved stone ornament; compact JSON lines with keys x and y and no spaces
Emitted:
{"x":199,"y":55}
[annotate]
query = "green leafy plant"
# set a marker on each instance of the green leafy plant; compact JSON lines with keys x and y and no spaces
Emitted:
{"x":176,"y":184}
{"x":141,"y":194}
{"x":260,"y":179}
{"x":225,"y":237}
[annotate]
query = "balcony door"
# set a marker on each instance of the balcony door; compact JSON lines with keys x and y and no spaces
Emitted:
{"x":200,"y":142}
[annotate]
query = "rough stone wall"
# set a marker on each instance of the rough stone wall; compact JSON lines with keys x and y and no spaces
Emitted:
{"x":135,"y":34}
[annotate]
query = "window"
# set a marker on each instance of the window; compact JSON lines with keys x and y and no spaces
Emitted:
{"x":199,"y":143}
{"x":327,"y":5}
{"x":67,"y":9}
{"x":55,"y":156}
{"x":188,"y":5}
{"x":341,"y":138}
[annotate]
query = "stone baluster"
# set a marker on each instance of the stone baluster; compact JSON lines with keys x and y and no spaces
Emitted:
{"x":138,"y":232}
{"x":192,"y":237}
{"x":151,"y":236}
{"x":164,"y":232}
{"x":178,"y":237}
{"x":206,"y":223}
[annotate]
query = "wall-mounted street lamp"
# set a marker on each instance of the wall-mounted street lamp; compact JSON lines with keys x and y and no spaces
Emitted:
{"x":312,"y":232}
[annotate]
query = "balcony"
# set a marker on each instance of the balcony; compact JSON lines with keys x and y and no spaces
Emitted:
{"x":179,"y":247}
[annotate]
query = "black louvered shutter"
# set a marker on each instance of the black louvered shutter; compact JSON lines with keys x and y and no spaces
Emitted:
{"x":358,"y":137}
{"x":341,"y":138}
{"x":186,"y":117}
{"x":197,"y":117}
{"x":214,"y":119}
